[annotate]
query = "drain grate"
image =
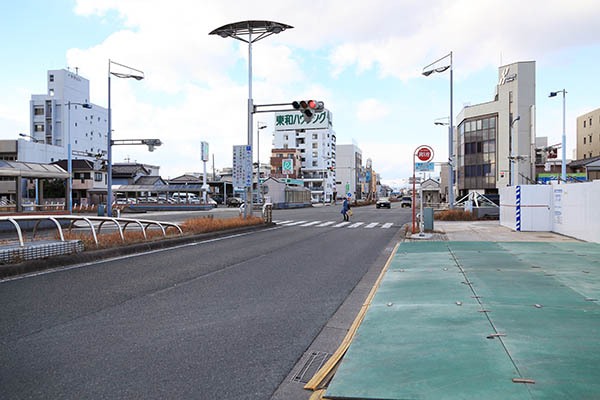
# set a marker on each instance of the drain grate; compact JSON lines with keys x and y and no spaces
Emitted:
{"x":315,"y":361}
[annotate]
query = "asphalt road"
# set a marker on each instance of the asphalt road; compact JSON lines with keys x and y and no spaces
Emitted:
{"x":226,"y":318}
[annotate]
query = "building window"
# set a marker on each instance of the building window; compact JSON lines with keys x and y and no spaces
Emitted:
{"x":285,"y":137}
{"x":314,"y":163}
{"x":315,"y":145}
{"x":51,"y":92}
{"x":97,"y":176}
{"x":75,"y":123}
{"x":38,"y":111}
{"x":315,"y":154}
{"x":590,"y":121}
{"x":584,"y":138}
{"x":38,"y":128}
{"x":315,"y":136}
{"x":51,"y":78}
{"x":590,"y":138}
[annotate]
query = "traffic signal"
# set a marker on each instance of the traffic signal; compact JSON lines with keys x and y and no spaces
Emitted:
{"x":308,"y":108}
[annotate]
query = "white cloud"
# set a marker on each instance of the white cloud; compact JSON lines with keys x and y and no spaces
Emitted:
{"x":371,"y":110}
{"x":191,"y":92}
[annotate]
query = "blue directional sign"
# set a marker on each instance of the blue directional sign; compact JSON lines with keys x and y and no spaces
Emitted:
{"x":424,"y":166}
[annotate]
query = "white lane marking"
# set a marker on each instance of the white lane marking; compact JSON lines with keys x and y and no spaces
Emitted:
{"x":326,"y":223}
{"x":311,"y":223}
{"x":276,"y":221}
{"x":341,"y":224}
{"x":295,"y":223}
{"x":356,"y":225}
{"x":106,"y":260}
{"x":372,"y":225}
{"x":285,"y":222}
{"x":387,"y":225}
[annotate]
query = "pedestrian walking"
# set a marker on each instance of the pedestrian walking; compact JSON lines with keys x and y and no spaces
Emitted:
{"x":346,"y":210}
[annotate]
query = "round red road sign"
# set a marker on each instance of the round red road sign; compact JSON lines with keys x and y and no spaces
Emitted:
{"x":425,"y":153}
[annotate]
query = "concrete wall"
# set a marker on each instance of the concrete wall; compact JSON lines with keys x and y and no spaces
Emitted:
{"x":569,"y":209}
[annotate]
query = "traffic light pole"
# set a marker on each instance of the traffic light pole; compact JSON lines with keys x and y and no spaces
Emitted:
{"x":248,"y":196}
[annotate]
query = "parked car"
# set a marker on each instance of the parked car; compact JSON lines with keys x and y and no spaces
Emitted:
{"x":383,"y":202}
{"x":234,"y":202}
{"x":218,"y":198}
{"x":406,"y":201}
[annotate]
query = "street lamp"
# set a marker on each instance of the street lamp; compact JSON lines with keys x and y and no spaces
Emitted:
{"x":427,"y":72}
{"x":138,"y":75}
{"x":512,"y":151}
{"x":563,"y":169}
{"x":34,"y":140}
{"x":258,"y":186}
{"x":240,"y":30}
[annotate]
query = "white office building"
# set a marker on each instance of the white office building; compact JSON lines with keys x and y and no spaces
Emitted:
{"x":317,"y":144}
{"x":495,"y":144}
{"x":348,"y":170}
{"x":53,"y":124}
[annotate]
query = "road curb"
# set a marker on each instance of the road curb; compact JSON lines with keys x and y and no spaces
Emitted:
{"x":97,"y":255}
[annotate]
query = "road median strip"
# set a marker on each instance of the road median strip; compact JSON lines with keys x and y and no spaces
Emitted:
{"x":93,"y":255}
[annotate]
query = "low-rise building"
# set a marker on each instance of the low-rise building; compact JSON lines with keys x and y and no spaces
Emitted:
{"x":277,"y":157}
{"x":588,"y":135}
{"x":89,"y":181}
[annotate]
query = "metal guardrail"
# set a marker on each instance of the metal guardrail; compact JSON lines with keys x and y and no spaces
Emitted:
{"x":120,"y":223}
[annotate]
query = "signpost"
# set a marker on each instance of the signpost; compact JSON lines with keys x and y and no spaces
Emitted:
{"x":242,"y":171}
{"x":204,"y":157}
{"x":425,"y":154}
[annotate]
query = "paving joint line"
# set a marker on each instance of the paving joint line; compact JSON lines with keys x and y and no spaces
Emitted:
{"x":487,"y":315}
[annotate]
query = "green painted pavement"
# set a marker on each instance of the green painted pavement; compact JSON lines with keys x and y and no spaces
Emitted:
{"x":416,"y":342}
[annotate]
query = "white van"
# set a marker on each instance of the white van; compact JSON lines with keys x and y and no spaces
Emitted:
{"x":185,"y":197}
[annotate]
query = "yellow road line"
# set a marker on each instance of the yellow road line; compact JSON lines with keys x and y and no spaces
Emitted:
{"x":319,"y":379}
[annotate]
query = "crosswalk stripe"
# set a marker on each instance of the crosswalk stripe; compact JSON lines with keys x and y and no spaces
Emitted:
{"x":356,"y":225}
{"x":295,"y":223}
{"x":284,"y":222}
{"x":372,"y":225}
{"x":341,"y":224}
{"x":326,"y":223}
{"x":311,"y":223}
{"x":387,"y":225}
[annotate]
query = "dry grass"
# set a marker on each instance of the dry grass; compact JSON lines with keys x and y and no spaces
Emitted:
{"x":190,"y":227}
{"x":455,"y":215}
{"x":201,"y":225}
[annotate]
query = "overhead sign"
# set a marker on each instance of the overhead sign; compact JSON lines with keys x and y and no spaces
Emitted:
{"x":424,"y":153}
{"x":424,"y":166}
{"x":242,"y":166}
{"x":204,"y":151}
{"x":287,"y":166}
{"x":291,"y":120}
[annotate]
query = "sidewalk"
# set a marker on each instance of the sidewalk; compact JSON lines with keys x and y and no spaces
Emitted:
{"x":494,"y":232}
{"x":490,"y":313}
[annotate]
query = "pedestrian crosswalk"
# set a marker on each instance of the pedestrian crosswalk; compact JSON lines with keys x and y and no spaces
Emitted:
{"x":335,"y":224}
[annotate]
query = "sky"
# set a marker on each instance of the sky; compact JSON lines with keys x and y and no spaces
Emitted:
{"x":362,"y":59}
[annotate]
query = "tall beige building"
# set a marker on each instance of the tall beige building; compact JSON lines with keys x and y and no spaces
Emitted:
{"x":588,"y":135}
